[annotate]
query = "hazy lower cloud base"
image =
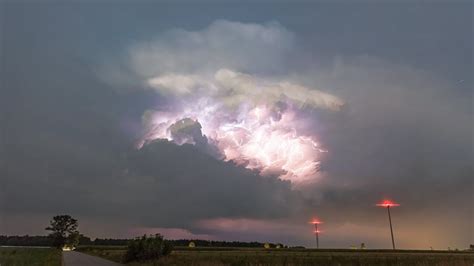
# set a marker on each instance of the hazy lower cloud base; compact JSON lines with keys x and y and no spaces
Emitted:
{"x":389,"y":129}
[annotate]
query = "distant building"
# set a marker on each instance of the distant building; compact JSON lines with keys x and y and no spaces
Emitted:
{"x":192,"y":245}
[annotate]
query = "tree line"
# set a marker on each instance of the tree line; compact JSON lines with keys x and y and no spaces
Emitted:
{"x":65,"y":234}
{"x":27,"y":240}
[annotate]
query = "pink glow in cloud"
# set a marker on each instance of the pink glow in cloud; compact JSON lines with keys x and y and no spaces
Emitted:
{"x":252,"y":122}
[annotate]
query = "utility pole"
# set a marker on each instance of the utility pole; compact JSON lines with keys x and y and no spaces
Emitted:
{"x":315,"y":222}
{"x":387,"y":204}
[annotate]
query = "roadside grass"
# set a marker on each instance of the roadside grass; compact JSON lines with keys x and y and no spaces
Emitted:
{"x":23,"y":256}
{"x":113,"y":253}
{"x":259,"y":256}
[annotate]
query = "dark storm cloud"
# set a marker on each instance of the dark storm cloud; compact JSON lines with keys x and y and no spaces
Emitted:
{"x":406,"y":131}
{"x":198,"y":186}
{"x":69,"y":144}
{"x":69,"y":147}
{"x":407,"y":135}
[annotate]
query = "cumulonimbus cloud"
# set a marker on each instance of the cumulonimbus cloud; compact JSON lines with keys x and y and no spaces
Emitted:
{"x":213,"y":80}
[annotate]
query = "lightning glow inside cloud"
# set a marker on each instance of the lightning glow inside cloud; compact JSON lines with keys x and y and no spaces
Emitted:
{"x":252,"y":122}
{"x":217,"y":102}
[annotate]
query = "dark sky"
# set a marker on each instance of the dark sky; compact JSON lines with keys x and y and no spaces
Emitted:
{"x":71,"y":112}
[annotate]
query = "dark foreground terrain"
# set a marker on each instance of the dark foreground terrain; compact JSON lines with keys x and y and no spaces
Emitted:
{"x":22,"y":256}
{"x":29,"y":256}
{"x":326,"y":257}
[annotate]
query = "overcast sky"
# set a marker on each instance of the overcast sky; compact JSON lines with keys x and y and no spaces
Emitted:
{"x":73,"y":105}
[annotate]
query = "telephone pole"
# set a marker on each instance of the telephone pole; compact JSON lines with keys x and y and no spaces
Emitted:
{"x":315,"y":222}
{"x":387,"y":204}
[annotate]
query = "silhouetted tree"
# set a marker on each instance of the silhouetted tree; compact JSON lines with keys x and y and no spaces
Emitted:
{"x":64,"y":231}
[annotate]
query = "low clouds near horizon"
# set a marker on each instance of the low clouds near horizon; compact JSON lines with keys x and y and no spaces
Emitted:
{"x":403,"y":133}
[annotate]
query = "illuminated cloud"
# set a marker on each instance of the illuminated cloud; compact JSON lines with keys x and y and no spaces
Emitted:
{"x":252,"y":120}
{"x":233,"y":89}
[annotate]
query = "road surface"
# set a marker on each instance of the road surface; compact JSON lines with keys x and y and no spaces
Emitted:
{"x":73,"y":258}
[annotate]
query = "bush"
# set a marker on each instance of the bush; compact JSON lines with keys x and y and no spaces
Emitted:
{"x":147,"y":248}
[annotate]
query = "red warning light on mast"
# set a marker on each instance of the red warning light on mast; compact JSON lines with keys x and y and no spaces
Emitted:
{"x":387,"y":203}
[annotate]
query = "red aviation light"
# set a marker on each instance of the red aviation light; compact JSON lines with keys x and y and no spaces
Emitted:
{"x":387,"y":203}
{"x":315,"y":221}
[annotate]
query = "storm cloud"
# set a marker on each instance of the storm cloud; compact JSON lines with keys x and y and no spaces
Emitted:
{"x":75,"y":96}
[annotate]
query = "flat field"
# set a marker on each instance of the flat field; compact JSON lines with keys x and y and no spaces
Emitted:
{"x":326,"y":257}
{"x":26,"y":256}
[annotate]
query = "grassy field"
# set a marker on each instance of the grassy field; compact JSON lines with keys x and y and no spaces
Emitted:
{"x":22,"y":256}
{"x":257,"y":256}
